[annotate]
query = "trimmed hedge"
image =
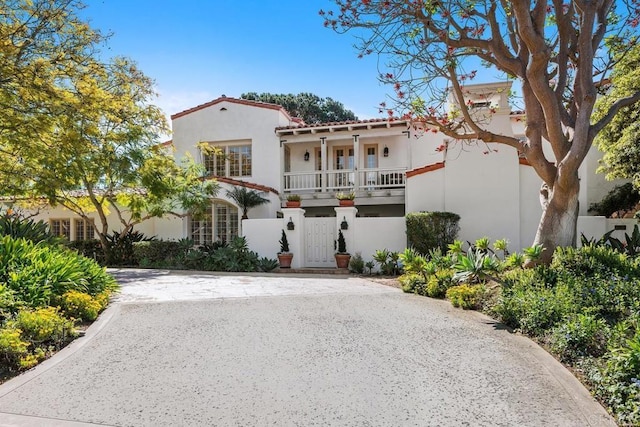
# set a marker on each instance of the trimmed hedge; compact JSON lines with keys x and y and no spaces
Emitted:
{"x":427,"y":231}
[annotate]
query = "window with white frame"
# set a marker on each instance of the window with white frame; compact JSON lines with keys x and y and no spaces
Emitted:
{"x":229,"y":161}
{"x":84,"y":229}
{"x":219,"y":225}
{"x":226,"y":222}
{"x":60,"y":228}
{"x":201,"y":230}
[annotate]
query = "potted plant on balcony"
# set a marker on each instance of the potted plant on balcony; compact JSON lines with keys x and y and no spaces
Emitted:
{"x":284,"y":256}
{"x":342,"y":256}
{"x":346,"y":199}
{"x":293,"y":201}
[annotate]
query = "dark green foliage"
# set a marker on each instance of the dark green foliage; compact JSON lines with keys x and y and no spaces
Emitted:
{"x":631,"y":244}
{"x":14,"y":226}
{"x":356,"y":264}
{"x":430,"y":230}
{"x":37,"y":273}
{"x":618,"y":382}
{"x":341,"y":243}
{"x":311,"y":108}
{"x":90,"y":249}
{"x":388,"y":261}
{"x":161,"y":253}
{"x":284,"y":243}
{"x":581,"y":335}
{"x":620,"y":200}
{"x":266,"y":264}
{"x":120,"y":245}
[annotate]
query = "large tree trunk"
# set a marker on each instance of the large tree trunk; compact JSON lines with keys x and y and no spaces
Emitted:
{"x":559,"y":215}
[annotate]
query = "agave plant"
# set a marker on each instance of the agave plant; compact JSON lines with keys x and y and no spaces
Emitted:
{"x":476,"y":266}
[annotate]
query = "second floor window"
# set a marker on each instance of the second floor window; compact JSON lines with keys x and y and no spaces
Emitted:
{"x":231,"y":161}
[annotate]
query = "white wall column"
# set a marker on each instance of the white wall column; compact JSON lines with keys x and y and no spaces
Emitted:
{"x":347,"y":214}
{"x":295,"y":237}
{"x":323,"y":163}
{"x":356,"y":162}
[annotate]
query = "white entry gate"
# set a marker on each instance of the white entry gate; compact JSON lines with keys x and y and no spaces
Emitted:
{"x":319,"y":238}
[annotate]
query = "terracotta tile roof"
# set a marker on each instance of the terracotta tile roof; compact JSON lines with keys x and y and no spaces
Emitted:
{"x":246,"y":184}
{"x":523,"y":161}
{"x":346,"y":122}
{"x":425,"y":169}
{"x":234,"y":101}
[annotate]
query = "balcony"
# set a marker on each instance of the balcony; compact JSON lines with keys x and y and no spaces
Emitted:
{"x":331,"y":181}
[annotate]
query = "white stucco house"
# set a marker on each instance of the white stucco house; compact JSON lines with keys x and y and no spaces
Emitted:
{"x":393,"y":166}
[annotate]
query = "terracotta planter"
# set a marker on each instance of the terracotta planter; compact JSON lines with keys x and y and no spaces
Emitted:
{"x":342,"y":260}
{"x":284,"y":259}
{"x":344,"y":203}
{"x":293,"y":204}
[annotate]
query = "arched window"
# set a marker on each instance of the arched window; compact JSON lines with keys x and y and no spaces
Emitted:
{"x":220,"y":224}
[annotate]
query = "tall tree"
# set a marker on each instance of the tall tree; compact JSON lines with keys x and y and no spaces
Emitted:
{"x":559,"y":52}
{"x":309,"y":107}
{"x":107,"y":156}
{"x":43,"y":45}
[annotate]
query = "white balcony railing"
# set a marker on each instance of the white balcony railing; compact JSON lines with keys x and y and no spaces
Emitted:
{"x":345,"y":179}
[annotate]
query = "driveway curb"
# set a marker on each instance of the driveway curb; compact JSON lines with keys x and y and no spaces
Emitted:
{"x":93,"y":330}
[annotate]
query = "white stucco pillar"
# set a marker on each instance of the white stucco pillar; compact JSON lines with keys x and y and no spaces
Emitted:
{"x":295,"y":237}
{"x":323,"y":163}
{"x":347,"y":214}
{"x":356,"y":161}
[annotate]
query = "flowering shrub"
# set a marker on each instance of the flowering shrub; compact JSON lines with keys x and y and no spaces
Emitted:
{"x":465,"y":296}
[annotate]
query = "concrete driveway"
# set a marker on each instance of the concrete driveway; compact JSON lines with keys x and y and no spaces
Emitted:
{"x":182,"y":349}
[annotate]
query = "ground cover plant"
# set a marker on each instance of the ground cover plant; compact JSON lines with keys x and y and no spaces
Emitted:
{"x":584,"y":307}
{"x":46,"y":291}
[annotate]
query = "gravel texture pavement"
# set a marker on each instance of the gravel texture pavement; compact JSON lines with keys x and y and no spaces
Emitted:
{"x":203,"y":349}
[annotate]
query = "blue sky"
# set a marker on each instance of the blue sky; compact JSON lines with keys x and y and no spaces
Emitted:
{"x":199,"y":50}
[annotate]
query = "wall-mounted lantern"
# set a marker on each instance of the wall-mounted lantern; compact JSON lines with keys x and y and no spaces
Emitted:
{"x":344,"y":225}
{"x":385,"y":151}
{"x":306,"y":155}
{"x":290,"y":224}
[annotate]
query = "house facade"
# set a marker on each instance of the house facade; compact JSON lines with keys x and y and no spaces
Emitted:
{"x":393,"y":166}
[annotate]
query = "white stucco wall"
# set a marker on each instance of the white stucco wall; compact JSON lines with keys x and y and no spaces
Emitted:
{"x":372,"y":234}
{"x":226,"y":122}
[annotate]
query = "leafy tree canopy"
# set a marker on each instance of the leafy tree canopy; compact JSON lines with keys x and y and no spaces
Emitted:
{"x":80,"y":132}
{"x":620,"y":139}
{"x":311,"y":108}
{"x":559,"y":52}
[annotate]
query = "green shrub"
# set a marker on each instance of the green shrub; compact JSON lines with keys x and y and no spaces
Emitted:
{"x":581,"y":335}
{"x":356,"y":264}
{"x":16,"y":227}
{"x":121,"y":247}
{"x":412,"y":282}
{"x":439,"y":283}
{"x":44,"y":325}
{"x":266,"y":264}
{"x":14,"y":351}
{"x":533,"y":308}
{"x":465,"y":296}
{"x":80,"y":305}
{"x":161,"y":253}
{"x":89,"y":248}
{"x":36,"y":273}
{"x":618,"y":384}
{"x":430,"y":230}
{"x":590,"y":260}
